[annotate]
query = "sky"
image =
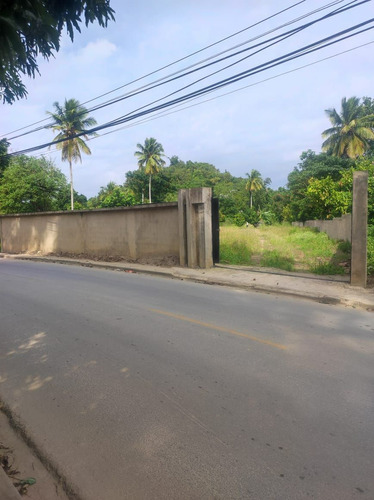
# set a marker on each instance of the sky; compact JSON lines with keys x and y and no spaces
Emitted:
{"x":262,"y":122}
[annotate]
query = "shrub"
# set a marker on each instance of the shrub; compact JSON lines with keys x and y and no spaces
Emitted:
{"x":252,"y":216}
{"x":239,"y":219}
{"x":268,"y":218}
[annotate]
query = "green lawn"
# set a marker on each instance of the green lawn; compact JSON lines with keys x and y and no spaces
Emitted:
{"x":284,"y":247}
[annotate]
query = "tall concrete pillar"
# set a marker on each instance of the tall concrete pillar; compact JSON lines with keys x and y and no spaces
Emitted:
{"x":359,"y":229}
{"x":195,"y":227}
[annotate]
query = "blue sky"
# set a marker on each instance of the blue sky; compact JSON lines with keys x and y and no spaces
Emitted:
{"x":265,"y":126}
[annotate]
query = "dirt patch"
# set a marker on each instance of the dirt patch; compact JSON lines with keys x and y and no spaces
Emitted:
{"x":164,"y":261}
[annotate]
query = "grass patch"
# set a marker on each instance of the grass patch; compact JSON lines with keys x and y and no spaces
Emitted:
{"x":237,"y":245}
{"x":272,"y":258}
{"x":327,"y":268}
{"x":235,"y":253}
{"x":284,"y":247}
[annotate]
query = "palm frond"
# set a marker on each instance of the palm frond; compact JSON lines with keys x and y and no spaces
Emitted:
{"x":351,"y":131}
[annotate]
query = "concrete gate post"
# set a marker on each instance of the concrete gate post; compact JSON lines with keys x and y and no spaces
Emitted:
{"x":195,"y":227}
{"x":359,"y":229}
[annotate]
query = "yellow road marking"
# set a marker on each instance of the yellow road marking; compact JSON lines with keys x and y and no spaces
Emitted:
{"x":219,"y":328}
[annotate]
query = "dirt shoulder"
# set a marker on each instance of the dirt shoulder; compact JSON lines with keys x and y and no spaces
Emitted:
{"x":29,"y":476}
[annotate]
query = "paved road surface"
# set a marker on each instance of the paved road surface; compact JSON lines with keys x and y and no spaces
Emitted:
{"x":141,"y":387}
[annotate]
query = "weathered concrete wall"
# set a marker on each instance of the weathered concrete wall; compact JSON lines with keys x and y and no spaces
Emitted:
{"x":359,"y":229}
{"x":338,"y":228}
{"x":131,"y":232}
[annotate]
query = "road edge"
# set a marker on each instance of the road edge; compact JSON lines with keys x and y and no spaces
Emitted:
{"x":20,"y":429}
{"x":184,"y":276}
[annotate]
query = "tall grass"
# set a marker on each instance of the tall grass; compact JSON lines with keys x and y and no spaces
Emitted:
{"x":283,"y":247}
{"x":236,"y":247}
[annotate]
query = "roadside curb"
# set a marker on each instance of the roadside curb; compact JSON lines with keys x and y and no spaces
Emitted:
{"x":113,"y":266}
{"x":192,"y":276}
{"x":320,"y":298}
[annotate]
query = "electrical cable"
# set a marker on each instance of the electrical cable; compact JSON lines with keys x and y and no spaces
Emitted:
{"x":249,"y":72}
{"x":168,"y":104}
{"x":285,"y":36}
{"x":163,"y":114}
{"x":174,"y":62}
{"x":275,"y":62}
{"x":151,"y":86}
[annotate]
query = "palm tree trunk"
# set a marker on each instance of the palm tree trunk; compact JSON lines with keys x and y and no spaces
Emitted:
{"x":71,"y":186}
{"x":250,"y":199}
{"x":150,"y":189}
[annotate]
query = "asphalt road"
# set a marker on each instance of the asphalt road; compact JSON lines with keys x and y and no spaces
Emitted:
{"x":140,"y":387}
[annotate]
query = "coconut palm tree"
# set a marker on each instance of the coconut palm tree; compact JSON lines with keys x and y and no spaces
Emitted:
{"x":351,"y":130}
{"x":150,"y":158}
{"x":254,"y":183}
{"x":69,"y":120}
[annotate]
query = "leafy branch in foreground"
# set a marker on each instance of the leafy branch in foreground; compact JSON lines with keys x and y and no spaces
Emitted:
{"x":29,"y":28}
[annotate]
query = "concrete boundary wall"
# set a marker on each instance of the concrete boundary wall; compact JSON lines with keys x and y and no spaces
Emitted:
{"x":134,"y":233}
{"x":337,"y":229}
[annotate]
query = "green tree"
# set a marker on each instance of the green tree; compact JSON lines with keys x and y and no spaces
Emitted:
{"x":327,"y":199}
{"x":254,"y":183}
{"x":367,"y":107}
{"x":32,"y":185}
{"x":113,"y":195}
{"x":231,"y":194}
{"x":184,"y":175}
{"x":70,"y":120}
{"x":29,"y":28}
{"x":4,"y":158}
{"x":316,"y":166}
{"x":137,"y":181}
{"x":351,"y":130}
{"x":276,"y":201}
{"x":364,"y":163}
{"x":150,"y":159}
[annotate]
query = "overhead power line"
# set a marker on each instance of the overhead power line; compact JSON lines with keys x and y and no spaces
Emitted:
{"x":170,"y":78}
{"x":178,"y":107}
{"x":173,"y":63}
{"x":325,"y":42}
{"x":270,"y":64}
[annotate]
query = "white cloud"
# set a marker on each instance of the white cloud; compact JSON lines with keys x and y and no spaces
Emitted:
{"x":98,"y":50}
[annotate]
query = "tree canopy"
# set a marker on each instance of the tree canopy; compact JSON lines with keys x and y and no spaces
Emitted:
{"x":29,"y":28}
{"x":32,"y":185}
{"x":112,"y":195}
{"x":4,"y":158}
